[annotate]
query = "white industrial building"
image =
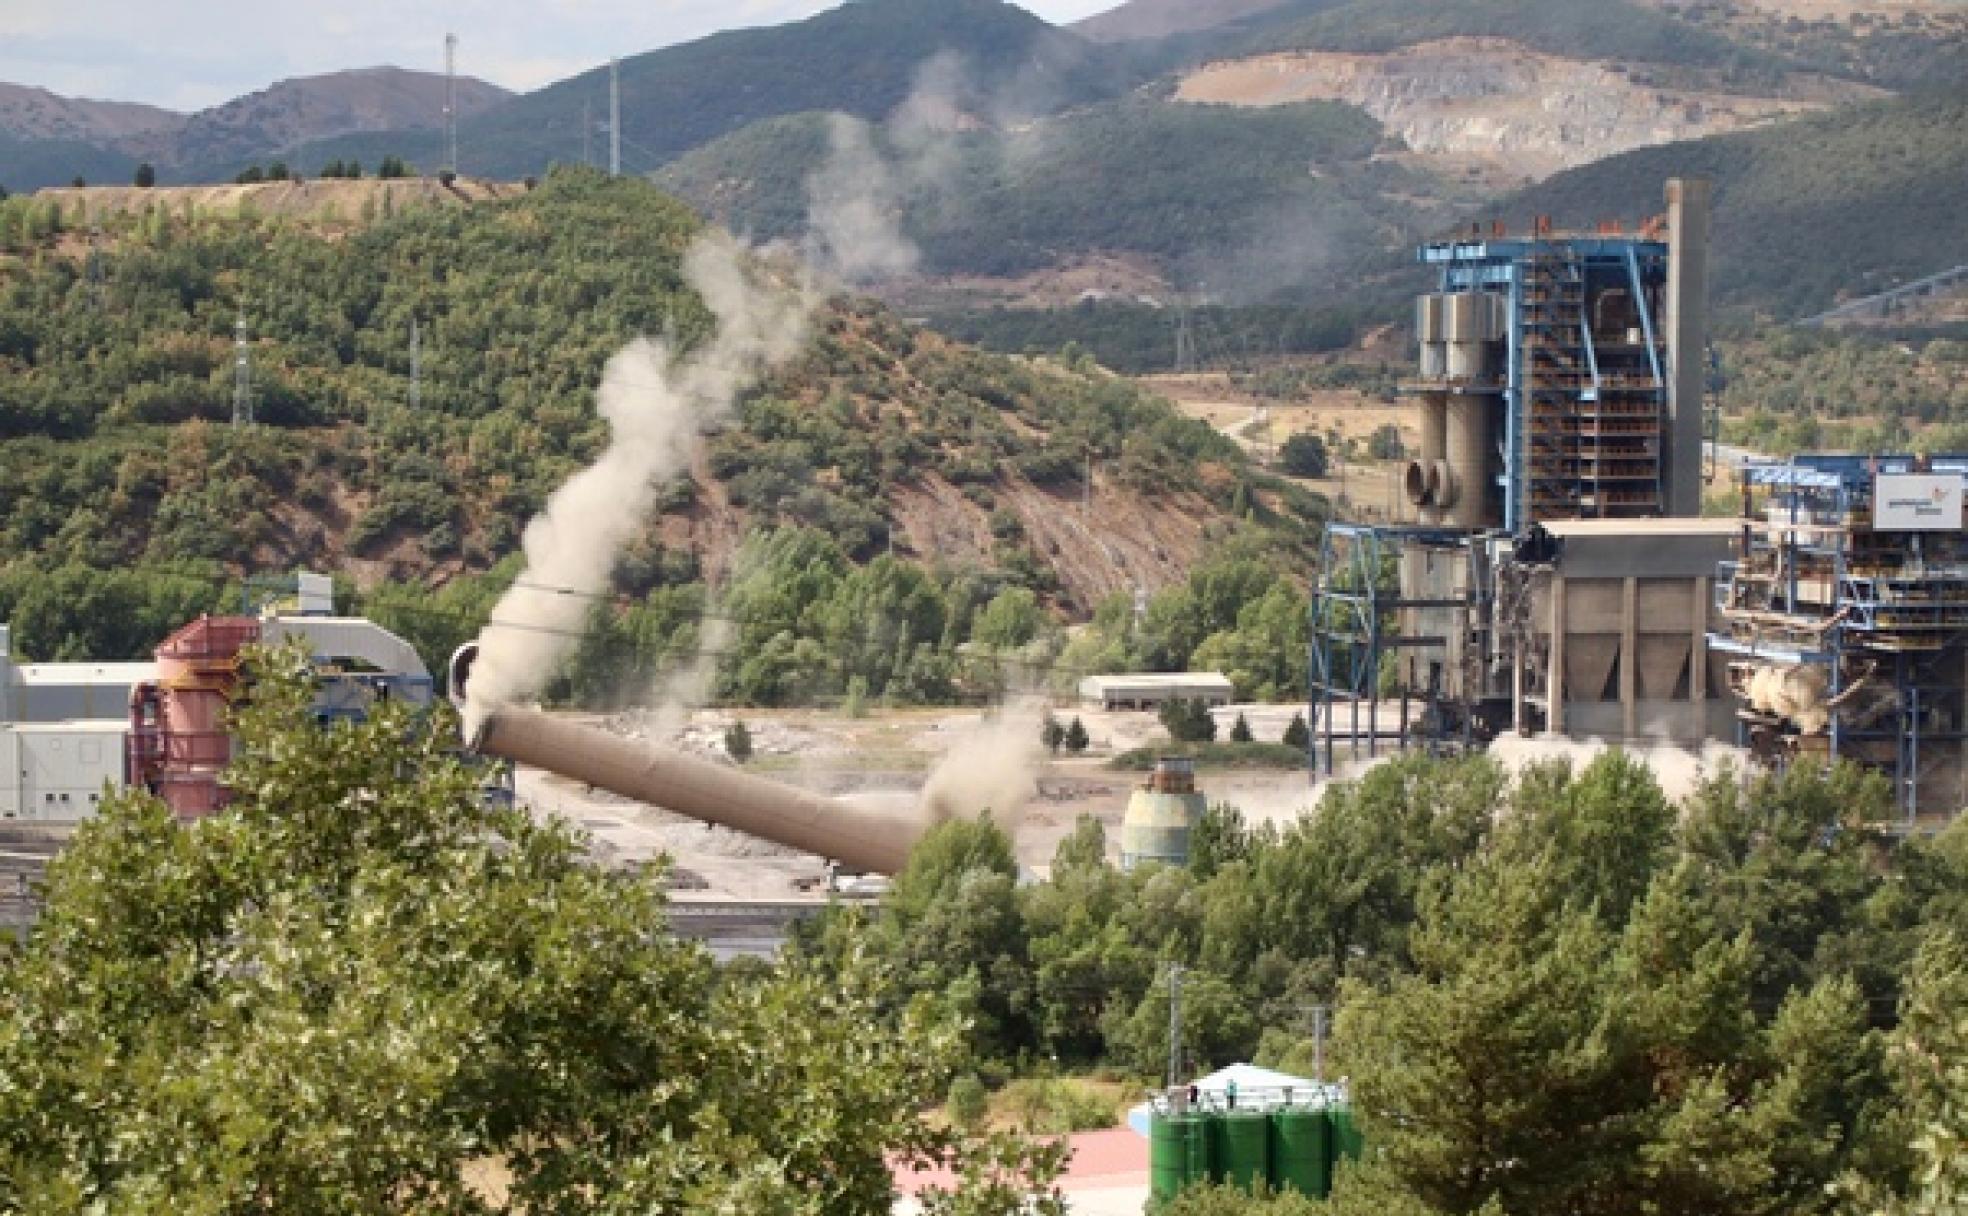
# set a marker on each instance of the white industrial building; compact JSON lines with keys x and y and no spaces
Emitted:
{"x":63,"y":731}
{"x":1152,"y":690}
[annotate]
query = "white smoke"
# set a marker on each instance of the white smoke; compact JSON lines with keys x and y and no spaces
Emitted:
{"x":656,"y":402}
{"x":1679,"y":771}
{"x":855,"y":205}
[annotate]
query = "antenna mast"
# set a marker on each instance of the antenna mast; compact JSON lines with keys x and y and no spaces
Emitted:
{"x":451,"y":102}
{"x":615,"y":118}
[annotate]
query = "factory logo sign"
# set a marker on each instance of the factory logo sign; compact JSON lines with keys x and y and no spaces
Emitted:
{"x":1917,"y":502}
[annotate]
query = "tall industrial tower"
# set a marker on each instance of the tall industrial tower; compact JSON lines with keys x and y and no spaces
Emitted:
{"x":451,"y":102}
{"x":614,"y":118}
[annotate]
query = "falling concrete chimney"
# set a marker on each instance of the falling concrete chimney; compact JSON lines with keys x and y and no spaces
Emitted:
{"x":1687,"y":339}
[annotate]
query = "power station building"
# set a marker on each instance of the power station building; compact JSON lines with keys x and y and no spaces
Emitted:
{"x":1558,"y":576}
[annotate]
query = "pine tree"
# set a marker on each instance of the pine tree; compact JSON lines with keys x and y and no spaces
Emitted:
{"x":738,"y":741}
{"x":1076,"y":738}
{"x":1052,"y":734}
{"x":1241,"y":732}
{"x":1297,"y":734}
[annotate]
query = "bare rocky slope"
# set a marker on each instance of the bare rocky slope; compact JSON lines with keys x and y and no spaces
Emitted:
{"x":1525,"y":111}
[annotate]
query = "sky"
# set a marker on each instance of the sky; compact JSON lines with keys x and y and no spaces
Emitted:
{"x":187,"y":54}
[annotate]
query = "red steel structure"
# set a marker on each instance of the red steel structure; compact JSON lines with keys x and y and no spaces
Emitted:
{"x":179,"y":743}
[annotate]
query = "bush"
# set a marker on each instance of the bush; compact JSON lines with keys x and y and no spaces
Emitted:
{"x":146,"y":176}
{"x":1052,"y":734}
{"x":738,"y":741}
{"x":968,"y":1102}
{"x":1304,"y":455}
{"x":1188,"y":721}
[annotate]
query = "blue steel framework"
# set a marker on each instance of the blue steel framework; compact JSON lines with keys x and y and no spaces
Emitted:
{"x":1356,"y":604}
{"x":1585,"y":405}
{"x":1816,"y":586}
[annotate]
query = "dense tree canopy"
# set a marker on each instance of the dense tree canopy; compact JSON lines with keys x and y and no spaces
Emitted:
{"x":359,"y":989}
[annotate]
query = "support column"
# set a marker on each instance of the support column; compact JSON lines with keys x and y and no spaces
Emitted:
{"x":1554,"y":682}
{"x":1629,"y":659}
{"x":1698,"y":661}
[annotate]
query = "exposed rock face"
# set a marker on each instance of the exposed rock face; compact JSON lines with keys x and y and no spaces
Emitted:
{"x":1491,"y":98}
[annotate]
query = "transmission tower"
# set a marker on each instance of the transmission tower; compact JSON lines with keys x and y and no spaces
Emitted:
{"x":451,"y":102}
{"x":614,"y":118}
{"x":242,"y":376}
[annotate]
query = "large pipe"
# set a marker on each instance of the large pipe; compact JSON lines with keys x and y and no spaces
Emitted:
{"x":1687,"y":339}
{"x":857,"y":837}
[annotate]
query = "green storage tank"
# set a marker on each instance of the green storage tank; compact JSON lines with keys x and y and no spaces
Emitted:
{"x":1301,"y":1151}
{"x":1246,"y":1142}
{"x":1347,"y":1143}
{"x":1168,"y":1155}
{"x":1200,"y":1162}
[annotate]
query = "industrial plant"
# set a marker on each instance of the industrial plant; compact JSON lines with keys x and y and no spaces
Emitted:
{"x":1559,"y":576}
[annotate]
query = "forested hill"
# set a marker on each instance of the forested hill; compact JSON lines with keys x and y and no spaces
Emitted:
{"x":862,"y":58}
{"x":1252,"y":202}
{"x":1835,"y":205}
{"x":116,"y":456}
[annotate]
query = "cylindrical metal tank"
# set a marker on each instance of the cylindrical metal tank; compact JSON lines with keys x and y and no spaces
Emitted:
{"x":1429,"y":331}
{"x":1244,"y":1138}
{"x":1347,"y":1143}
{"x":1161,"y":814}
{"x":855,"y":836}
{"x":1434,"y":426}
{"x":1168,"y":1155}
{"x":1200,"y":1165}
{"x":1468,"y":464}
{"x":1469,"y":322}
{"x":1301,"y":1151}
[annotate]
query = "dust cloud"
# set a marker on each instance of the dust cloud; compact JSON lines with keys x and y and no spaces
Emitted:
{"x":656,"y":401}
{"x":992,"y":770}
{"x":1680,"y":771}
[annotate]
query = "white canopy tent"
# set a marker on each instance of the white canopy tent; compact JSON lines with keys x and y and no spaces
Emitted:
{"x":1260,"y":1089}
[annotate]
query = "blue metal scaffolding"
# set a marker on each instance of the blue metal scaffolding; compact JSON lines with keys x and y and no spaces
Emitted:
{"x":1584,"y":387}
{"x":1356,"y":610}
{"x":1882,"y":616}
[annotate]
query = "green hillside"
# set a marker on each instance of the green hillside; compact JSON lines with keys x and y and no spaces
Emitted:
{"x":1249,"y":201}
{"x":32,"y":163}
{"x":862,"y":58}
{"x":130,"y":502}
{"x":1838,"y":204}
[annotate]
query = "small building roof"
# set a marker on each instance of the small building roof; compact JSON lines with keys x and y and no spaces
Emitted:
{"x":76,"y":675}
{"x":1213,"y":681}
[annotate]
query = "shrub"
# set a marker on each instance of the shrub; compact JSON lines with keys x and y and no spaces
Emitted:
{"x":738,"y":741}
{"x":968,"y":1102}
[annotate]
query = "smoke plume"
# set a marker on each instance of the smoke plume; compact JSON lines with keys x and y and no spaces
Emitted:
{"x":855,"y":206}
{"x":656,"y":402}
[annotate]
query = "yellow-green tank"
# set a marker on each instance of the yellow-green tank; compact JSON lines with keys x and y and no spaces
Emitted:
{"x":1161,"y":814}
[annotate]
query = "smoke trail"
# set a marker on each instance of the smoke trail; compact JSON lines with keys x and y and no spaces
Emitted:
{"x":656,"y":403}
